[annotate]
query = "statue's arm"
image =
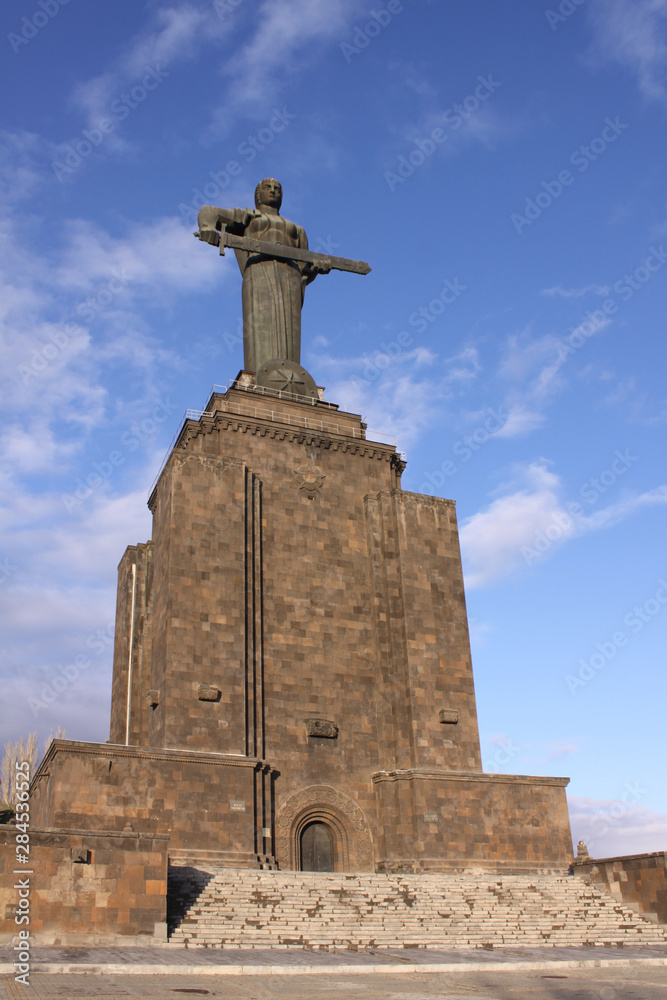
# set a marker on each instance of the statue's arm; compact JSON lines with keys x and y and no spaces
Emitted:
{"x":211,"y":220}
{"x":308,"y":271}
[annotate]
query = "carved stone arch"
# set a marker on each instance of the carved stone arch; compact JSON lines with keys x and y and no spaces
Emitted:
{"x":353,"y":842}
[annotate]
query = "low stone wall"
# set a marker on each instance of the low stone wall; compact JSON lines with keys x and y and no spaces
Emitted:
{"x":78,"y":887}
{"x":639,"y":880}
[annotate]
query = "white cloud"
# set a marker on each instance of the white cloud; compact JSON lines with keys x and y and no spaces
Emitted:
{"x":576,"y":293}
{"x":285,"y":40}
{"x":520,"y":421}
{"x":531,"y":522}
{"x":631,"y":33}
{"x":491,"y":540}
{"x":610,"y":828}
{"x":174,"y":33}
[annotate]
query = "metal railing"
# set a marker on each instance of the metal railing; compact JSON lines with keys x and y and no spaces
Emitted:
{"x":303,"y":421}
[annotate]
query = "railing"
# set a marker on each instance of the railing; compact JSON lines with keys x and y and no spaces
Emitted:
{"x":297,"y":420}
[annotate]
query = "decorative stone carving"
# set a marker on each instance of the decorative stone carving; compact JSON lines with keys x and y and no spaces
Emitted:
{"x":448,"y":716}
{"x":309,"y":479}
{"x":280,"y":375}
{"x":322,"y":728}
{"x":80,"y":856}
{"x":207,"y":693}
{"x":153,"y":698}
{"x":354,"y":844}
{"x":101,"y":765}
{"x":582,"y":851}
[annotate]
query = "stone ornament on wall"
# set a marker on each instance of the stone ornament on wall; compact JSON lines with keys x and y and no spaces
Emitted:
{"x":309,"y":479}
{"x":448,"y":717}
{"x":322,"y":728}
{"x":207,"y":693}
{"x":348,"y":824}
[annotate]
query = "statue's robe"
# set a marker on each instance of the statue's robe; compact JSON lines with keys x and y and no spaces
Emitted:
{"x":272,"y":292}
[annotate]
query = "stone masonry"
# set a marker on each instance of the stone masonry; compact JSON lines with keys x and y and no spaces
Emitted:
{"x":292,"y":649}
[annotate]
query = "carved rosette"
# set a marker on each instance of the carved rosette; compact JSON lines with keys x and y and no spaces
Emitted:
{"x":309,"y":479}
{"x":348,"y":824}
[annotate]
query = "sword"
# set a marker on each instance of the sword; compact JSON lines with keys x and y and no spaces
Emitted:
{"x":280,"y":252}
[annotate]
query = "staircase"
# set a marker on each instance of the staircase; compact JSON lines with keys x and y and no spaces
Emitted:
{"x":247,"y":908}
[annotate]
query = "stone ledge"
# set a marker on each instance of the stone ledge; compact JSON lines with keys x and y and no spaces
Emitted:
{"x":426,"y":774}
{"x":146,"y":753}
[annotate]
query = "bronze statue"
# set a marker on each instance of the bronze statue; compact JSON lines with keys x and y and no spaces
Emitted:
{"x":276,"y":265}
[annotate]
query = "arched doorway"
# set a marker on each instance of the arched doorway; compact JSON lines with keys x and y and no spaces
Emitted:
{"x":317,"y":848}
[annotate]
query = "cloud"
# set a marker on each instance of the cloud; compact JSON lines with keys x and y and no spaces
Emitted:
{"x":536,"y":366}
{"x":610,"y":828}
{"x":174,"y":33}
{"x":576,"y":293}
{"x":285,"y":41}
{"x":491,"y":540}
{"x":631,"y":34}
{"x":21,"y":155}
{"x":520,"y":421}
{"x":531,"y":522}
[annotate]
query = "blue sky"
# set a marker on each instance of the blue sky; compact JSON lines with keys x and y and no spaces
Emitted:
{"x":502,"y":168}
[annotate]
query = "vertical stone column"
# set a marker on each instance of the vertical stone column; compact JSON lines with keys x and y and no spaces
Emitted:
{"x":134,"y":605}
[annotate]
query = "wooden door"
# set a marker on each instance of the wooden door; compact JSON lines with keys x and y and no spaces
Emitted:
{"x":317,"y":848}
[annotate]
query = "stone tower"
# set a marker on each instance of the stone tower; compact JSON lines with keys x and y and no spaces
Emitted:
{"x":292,"y":679}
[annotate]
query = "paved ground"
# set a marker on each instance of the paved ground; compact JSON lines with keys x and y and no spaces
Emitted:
{"x":582,"y":984}
{"x":296,"y":974}
{"x":150,"y":959}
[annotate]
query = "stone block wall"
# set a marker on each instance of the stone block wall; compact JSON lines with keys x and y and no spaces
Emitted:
{"x":207,"y":801}
{"x":639,"y":880}
{"x":102,"y":887}
{"x":432,"y":820}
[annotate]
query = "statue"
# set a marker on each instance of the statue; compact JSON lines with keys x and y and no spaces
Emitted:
{"x":276,"y":265}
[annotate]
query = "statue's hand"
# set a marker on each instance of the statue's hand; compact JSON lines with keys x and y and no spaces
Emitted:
{"x":312,"y":270}
{"x":211,"y":236}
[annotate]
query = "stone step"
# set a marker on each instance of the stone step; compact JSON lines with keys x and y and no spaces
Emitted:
{"x":221,"y":907}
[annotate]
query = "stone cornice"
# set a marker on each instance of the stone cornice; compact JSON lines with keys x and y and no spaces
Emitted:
{"x":283,"y":432}
{"x":90,"y":834}
{"x":427,"y":774}
{"x":116,"y":750}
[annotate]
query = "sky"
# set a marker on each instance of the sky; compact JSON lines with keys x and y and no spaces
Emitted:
{"x":502,"y":169}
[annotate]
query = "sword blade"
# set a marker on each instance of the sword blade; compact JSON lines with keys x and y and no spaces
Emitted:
{"x":280,"y":252}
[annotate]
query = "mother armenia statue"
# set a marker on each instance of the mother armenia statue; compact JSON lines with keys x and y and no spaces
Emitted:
{"x":276,"y":265}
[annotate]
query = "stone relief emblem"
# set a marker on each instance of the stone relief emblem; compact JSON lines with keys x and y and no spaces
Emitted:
{"x":309,"y":479}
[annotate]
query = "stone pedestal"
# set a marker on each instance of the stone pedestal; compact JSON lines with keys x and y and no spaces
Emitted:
{"x":294,"y":638}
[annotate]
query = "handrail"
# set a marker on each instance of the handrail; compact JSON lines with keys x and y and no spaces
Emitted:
{"x":309,"y":423}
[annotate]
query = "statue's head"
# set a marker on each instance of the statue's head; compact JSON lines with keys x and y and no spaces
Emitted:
{"x":269,"y":192}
